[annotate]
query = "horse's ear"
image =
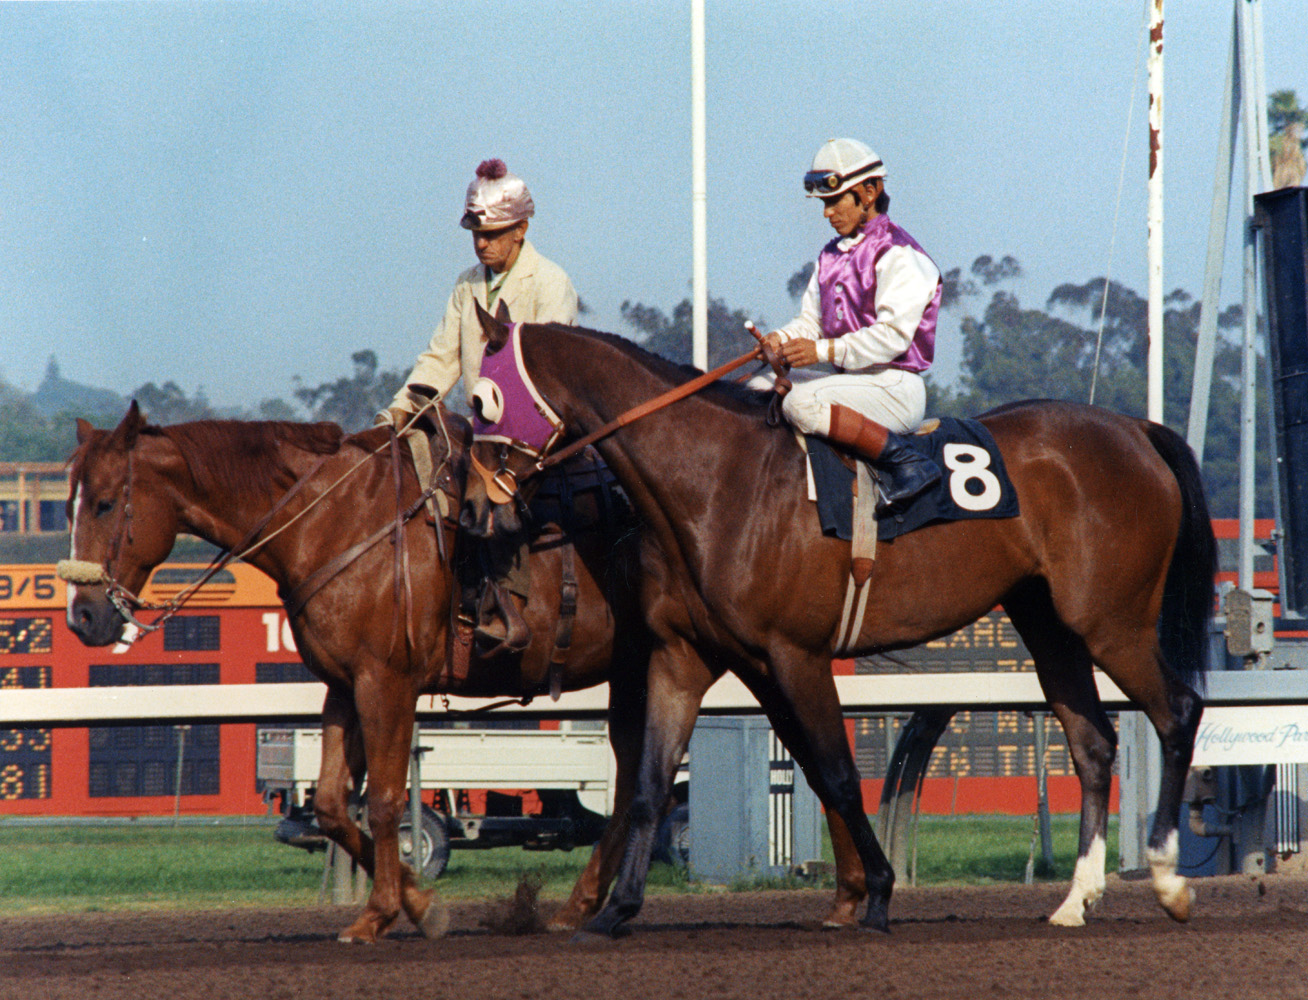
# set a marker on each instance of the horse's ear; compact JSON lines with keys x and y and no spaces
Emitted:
{"x":130,"y":426}
{"x":495,"y":331}
{"x":84,"y":430}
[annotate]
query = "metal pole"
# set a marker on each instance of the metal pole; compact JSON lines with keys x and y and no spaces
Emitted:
{"x":1256,"y":178}
{"x":1155,"y":368}
{"x":415,"y":801}
{"x":1210,"y":305}
{"x":1042,"y":790}
{"x":177,"y":778}
{"x":699,"y":190}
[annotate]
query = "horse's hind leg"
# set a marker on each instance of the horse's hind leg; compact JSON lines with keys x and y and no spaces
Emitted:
{"x":1136,"y":665}
{"x":1066,"y":675}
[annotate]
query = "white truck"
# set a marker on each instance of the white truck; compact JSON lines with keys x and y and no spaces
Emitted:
{"x":571,"y":769}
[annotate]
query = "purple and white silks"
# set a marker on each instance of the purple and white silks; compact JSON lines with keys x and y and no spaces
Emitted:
{"x":847,"y":283}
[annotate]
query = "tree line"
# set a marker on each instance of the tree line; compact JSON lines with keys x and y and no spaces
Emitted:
{"x":1009,"y":352}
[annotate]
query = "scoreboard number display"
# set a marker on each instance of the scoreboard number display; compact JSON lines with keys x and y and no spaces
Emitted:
{"x":24,"y":753}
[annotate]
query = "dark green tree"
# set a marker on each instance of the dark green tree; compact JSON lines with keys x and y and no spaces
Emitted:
{"x":670,"y":336}
{"x":352,"y":401}
{"x":1013,"y":353}
{"x":169,"y":404}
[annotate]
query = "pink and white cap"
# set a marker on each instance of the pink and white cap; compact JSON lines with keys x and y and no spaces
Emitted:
{"x":496,"y":198}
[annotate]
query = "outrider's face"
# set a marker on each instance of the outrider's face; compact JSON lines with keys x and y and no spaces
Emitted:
{"x":498,"y":248}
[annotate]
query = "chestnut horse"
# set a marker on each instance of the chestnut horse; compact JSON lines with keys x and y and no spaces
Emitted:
{"x":371,"y":624}
{"x":1110,"y":563}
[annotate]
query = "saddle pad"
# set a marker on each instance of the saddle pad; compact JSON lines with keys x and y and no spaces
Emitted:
{"x":974,"y":482}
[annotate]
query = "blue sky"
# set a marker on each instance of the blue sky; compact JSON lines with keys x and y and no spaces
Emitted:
{"x":228,"y":194}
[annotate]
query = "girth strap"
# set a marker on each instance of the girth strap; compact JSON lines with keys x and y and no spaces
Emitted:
{"x":567,"y":617}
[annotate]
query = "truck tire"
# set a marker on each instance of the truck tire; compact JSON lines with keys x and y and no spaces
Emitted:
{"x":435,"y":839}
{"x":672,"y":843}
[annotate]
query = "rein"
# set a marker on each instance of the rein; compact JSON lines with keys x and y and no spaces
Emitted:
{"x":643,"y":410}
{"x":81,"y":571}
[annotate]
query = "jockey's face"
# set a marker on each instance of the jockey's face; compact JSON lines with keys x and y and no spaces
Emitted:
{"x":498,"y":248}
{"x":849,"y":211}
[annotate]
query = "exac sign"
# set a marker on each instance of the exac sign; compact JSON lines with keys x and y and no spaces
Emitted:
{"x":1270,"y":734}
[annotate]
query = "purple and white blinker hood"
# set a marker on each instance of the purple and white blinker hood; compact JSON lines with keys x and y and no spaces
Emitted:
{"x":507,"y":407}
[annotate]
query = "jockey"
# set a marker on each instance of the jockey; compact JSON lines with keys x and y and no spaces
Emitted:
{"x":869,"y":311}
{"x":515,"y":283}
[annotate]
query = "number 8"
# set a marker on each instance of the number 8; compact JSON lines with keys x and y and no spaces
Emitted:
{"x":967,"y":461}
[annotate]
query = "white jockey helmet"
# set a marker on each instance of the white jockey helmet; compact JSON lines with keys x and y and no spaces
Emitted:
{"x":839,"y":165}
{"x":496,"y":198}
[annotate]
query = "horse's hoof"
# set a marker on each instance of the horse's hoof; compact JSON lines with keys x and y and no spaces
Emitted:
{"x":876,"y":919}
{"x":1068,"y":915}
{"x":353,"y":935}
{"x":604,"y":926}
{"x":841,"y":915}
{"x":368,"y":929}
{"x":566,"y":919}
{"x":1178,"y":903}
{"x":435,"y":923}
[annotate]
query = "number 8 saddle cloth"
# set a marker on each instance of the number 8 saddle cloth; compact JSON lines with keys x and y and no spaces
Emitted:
{"x":973,"y":484}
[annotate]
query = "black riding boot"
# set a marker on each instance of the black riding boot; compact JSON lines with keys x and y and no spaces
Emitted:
{"x":902,"y":471}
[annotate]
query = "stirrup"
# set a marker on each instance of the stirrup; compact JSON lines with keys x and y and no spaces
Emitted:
{"x":499,"y":623}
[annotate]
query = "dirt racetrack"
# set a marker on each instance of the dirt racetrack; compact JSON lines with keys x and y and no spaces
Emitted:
{"x":1249,"y":938}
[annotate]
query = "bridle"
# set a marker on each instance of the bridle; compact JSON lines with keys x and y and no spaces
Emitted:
{"x":126,"y":602}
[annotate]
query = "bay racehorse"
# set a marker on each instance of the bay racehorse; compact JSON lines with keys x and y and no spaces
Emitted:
{"x":1110,"y":563}
{"x":338,"y":524}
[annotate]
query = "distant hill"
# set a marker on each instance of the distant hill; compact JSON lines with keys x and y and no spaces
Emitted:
{"x":57,"y":394}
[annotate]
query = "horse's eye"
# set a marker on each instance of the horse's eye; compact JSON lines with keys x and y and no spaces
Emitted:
{"x":103,"y":507}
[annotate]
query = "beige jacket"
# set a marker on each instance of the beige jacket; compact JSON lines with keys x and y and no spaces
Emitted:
{"x":535,"y":290}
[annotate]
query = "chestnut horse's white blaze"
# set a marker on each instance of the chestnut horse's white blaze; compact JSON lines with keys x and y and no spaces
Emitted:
{"x":70,"y":587}
{"x":1088,"y":884}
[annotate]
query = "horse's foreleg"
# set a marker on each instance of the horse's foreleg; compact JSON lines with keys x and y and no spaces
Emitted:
{"x":800,"y":700}
{"x":626,"y":724}
{"x":386,"y":713}
{"x":677,"y":683}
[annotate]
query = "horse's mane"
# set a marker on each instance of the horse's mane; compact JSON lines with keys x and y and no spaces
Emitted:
{"x":728,"y":394}
{"x":222,"y":452}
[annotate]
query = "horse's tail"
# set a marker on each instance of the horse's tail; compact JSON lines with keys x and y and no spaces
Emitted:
{"x":1188,"y":596}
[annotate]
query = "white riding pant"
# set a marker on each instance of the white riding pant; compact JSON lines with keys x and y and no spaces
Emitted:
{"x":892,"y":397}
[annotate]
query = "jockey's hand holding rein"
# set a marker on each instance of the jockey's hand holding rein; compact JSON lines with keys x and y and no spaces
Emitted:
{"x":799,"y":352}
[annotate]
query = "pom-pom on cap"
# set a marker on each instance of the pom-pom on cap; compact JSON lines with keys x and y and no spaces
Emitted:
{"x":496,"y":198}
